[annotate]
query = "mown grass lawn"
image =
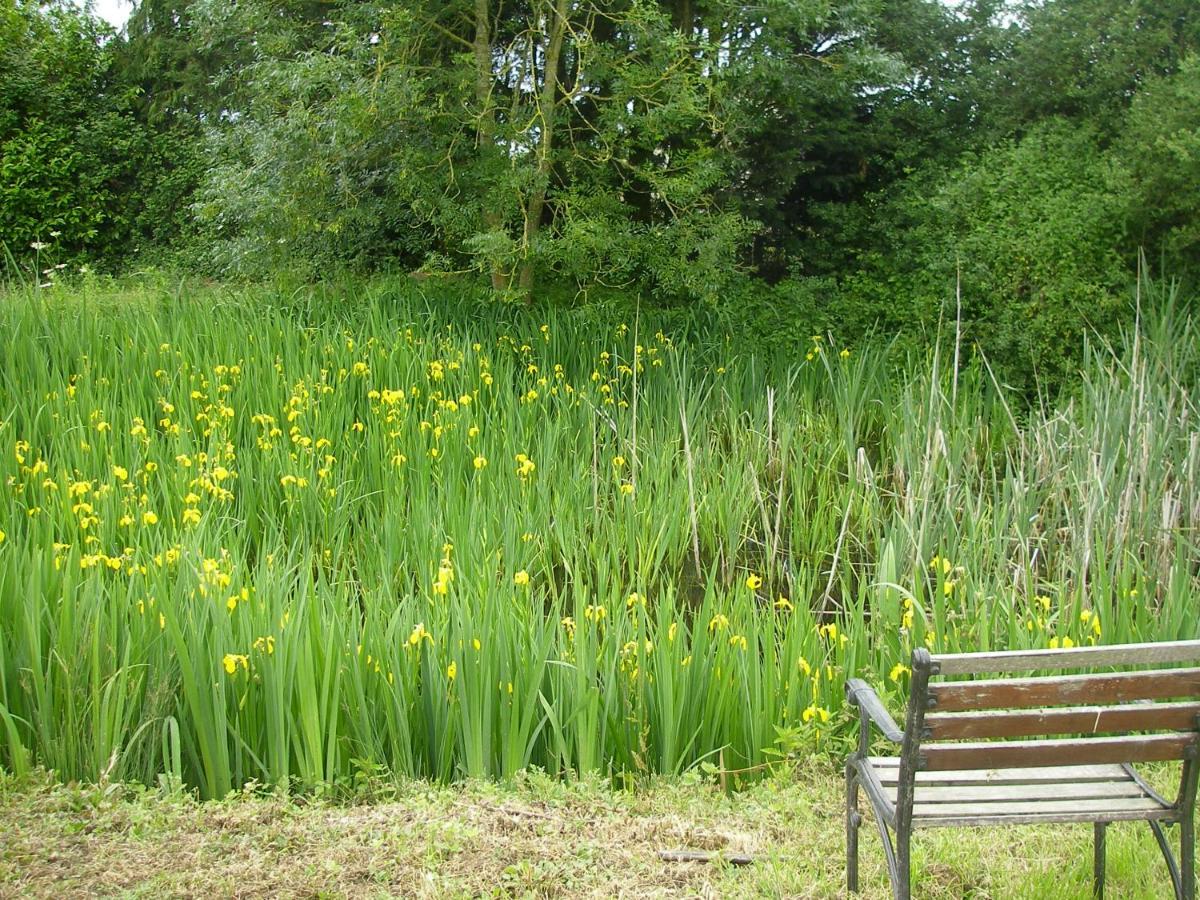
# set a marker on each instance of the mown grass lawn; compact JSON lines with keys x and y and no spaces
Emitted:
{"x":534,"y":836}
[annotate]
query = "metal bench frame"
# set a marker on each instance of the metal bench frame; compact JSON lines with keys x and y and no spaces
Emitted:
{"x":1005,"y":708}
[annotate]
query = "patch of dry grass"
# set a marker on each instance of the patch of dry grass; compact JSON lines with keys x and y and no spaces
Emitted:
{"x":535,"y":837}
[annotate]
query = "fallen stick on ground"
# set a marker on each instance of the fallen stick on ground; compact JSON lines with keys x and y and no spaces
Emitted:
{"x":703,"y":856}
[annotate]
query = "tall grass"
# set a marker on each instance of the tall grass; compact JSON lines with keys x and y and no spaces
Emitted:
{"x":252,"y":537}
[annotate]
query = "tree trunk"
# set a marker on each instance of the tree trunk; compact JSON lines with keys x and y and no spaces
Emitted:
{"x":549,"y":96}
{"x":684,"y":17}
{"x":485,"y":128}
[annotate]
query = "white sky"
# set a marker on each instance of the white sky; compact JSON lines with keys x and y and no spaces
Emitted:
{"x":115,"y":11}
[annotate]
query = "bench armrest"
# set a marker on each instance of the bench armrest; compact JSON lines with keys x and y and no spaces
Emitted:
{"x":871,"y":709}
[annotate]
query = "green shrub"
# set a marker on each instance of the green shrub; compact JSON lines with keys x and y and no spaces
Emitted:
{"x":1160,"y":147}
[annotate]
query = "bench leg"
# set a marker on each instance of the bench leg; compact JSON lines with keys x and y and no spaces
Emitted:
{"x":853,"y":820}
{"x":1165,"y":847}
{"x":902,"y":888}
{"x":1098,"y":848}
{"x":1187,"y":854}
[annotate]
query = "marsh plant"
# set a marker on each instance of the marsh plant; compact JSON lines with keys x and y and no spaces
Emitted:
{"x":291,"y":538}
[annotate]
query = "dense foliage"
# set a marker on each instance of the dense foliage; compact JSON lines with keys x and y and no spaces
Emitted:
{"x":68,"y":145}
{"x":796,"y":166}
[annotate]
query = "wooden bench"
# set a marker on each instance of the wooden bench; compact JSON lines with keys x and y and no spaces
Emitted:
{"x":1019,"y":750}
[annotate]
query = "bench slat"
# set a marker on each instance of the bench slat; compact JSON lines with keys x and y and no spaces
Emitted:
{"x":1032,"y":660}
{"x":1017,"y":754}
{"x":888,"y":768}
{"x":1075,"y":720}
{"x":1115,"y":810}
{"x":1065,"y":690}
{"x":1036,"y":807}
{"x":986,"y":794}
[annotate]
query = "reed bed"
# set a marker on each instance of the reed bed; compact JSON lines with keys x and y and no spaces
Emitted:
{"x":254,"y":537}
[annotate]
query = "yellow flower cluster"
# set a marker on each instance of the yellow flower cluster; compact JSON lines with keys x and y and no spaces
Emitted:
{"x":525,"y":466}
{"x":949,"y":574}
{"x":445,"y":575}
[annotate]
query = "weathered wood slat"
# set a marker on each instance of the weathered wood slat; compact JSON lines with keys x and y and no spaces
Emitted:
{"x":1075,"y":720}
{"x":1075,"y":657}
{"x":1065,"y":690}
{"x":888,"y":769}
{"x":1017,"y":754}
{"x":1036,"y":807}
{"x":1127,"y":815}
{"x":986,"y":794}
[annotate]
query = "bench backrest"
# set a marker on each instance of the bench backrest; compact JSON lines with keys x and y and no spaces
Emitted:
{"x":958,"y":721}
